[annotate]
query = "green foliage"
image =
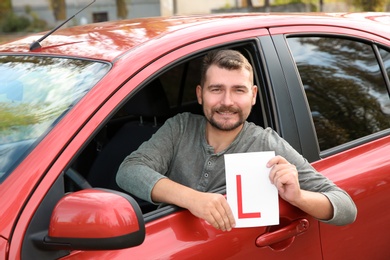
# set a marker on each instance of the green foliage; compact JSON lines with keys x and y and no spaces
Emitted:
{"x":37,"y":24}
{"x":370,"y":5}
{"x":13,"y":23}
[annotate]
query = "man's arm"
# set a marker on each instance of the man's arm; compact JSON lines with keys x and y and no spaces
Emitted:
{"x":285,"y":177}
{"x":211,"y":207}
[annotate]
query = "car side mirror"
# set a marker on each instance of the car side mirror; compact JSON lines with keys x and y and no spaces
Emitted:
{"x":95,"y":219}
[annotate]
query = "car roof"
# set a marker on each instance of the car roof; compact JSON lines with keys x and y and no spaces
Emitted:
{"x":110,"y":40}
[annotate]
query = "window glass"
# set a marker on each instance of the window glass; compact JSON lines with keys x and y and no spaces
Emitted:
{"x":171,"y":83}
{"x":180,"y":82}
{"x":345,"y":88}
{"x":35,"y":92}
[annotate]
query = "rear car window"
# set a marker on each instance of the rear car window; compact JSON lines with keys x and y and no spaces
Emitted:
{"x":345,"y":87}
{"x":35,"y":92}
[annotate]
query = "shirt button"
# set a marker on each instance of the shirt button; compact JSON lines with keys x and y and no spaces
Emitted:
{"x":209,"y":162}
{"x":206,"y":175}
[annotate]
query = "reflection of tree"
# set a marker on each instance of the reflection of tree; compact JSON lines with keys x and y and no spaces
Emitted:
{"x":36,"y":90}
{"x":343,"y":89}
{"x":36,"y":62}
{"x":14,"y":116}
{"x":18,"y":120}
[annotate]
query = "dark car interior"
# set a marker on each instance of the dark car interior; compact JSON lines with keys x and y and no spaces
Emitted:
{"x":171,"y":92}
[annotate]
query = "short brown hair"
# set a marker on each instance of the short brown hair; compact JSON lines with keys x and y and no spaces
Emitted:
{"x":226,"y":59}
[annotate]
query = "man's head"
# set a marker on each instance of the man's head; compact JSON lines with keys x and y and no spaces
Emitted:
{"x":226,"y":92}
{"x":225,"y":59}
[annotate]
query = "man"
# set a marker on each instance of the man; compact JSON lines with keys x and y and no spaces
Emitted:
{"x":184,"y":159}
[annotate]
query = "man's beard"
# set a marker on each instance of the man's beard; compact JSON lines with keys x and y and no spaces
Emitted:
{"x":223,"y":125}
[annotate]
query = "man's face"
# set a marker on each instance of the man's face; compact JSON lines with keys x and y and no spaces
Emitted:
{"x":227,"y":97}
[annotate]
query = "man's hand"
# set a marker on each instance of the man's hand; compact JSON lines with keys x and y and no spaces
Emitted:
{"x":211,"y":207}
{"x":285,"y":177}
{"x":214,"y":209}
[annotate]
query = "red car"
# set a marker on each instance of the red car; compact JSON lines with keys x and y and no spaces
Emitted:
{"x":80,"y":99}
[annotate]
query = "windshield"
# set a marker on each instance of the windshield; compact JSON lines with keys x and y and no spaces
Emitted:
{"x":35,"y":92}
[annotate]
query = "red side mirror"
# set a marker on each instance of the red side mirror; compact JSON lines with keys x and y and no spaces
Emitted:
{"x":95,"y":219}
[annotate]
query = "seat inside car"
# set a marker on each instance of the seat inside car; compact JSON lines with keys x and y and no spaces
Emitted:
{"x":150,"y":107}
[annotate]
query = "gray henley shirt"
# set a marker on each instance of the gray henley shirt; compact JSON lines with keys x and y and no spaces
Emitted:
{"x":179,"y":151}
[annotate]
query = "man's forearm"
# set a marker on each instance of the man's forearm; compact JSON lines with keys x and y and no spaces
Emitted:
{"x":315,"y":204}
{"x":170,"y":192}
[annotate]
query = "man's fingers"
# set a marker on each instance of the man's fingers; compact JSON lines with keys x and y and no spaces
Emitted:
{"x":280,"y":169}
{"x":218,"y":222}
{"x":214,"y":209}
{"x":276,"y":160}
{"x":223,"y":216}
{"x":229,"y":216}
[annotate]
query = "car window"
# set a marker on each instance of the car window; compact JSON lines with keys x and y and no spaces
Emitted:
{"x":345,"y":87}
{"x":33,"y":97}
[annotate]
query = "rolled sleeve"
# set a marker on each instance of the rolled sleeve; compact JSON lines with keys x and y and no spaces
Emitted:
{"x":344,"y":209}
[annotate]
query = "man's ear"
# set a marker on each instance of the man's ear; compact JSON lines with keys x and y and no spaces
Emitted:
{"x":254,"y":92}
{"x":199,"y":94}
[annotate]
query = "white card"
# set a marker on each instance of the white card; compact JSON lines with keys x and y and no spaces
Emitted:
{"x":250,"y":193}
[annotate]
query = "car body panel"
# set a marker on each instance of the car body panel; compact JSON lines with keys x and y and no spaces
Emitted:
{"x":361,"y":170}
{"x":200,"y":239}
{"x":363,"y":173}
{"x":3,"y":248}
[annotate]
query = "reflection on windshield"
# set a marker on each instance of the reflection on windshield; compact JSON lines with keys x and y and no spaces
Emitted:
{"x":34,"y":93}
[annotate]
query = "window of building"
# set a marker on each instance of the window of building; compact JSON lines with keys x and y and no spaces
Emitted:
{"x":100,"y":17}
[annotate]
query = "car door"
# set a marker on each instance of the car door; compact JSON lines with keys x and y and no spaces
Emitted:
{"x":175,"y":233}
{"x":344,"y":76}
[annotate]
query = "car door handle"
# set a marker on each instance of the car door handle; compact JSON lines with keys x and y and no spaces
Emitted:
{"x":295,"y":228}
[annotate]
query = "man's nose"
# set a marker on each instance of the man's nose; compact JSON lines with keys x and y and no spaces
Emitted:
{"x":227,"y":99}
